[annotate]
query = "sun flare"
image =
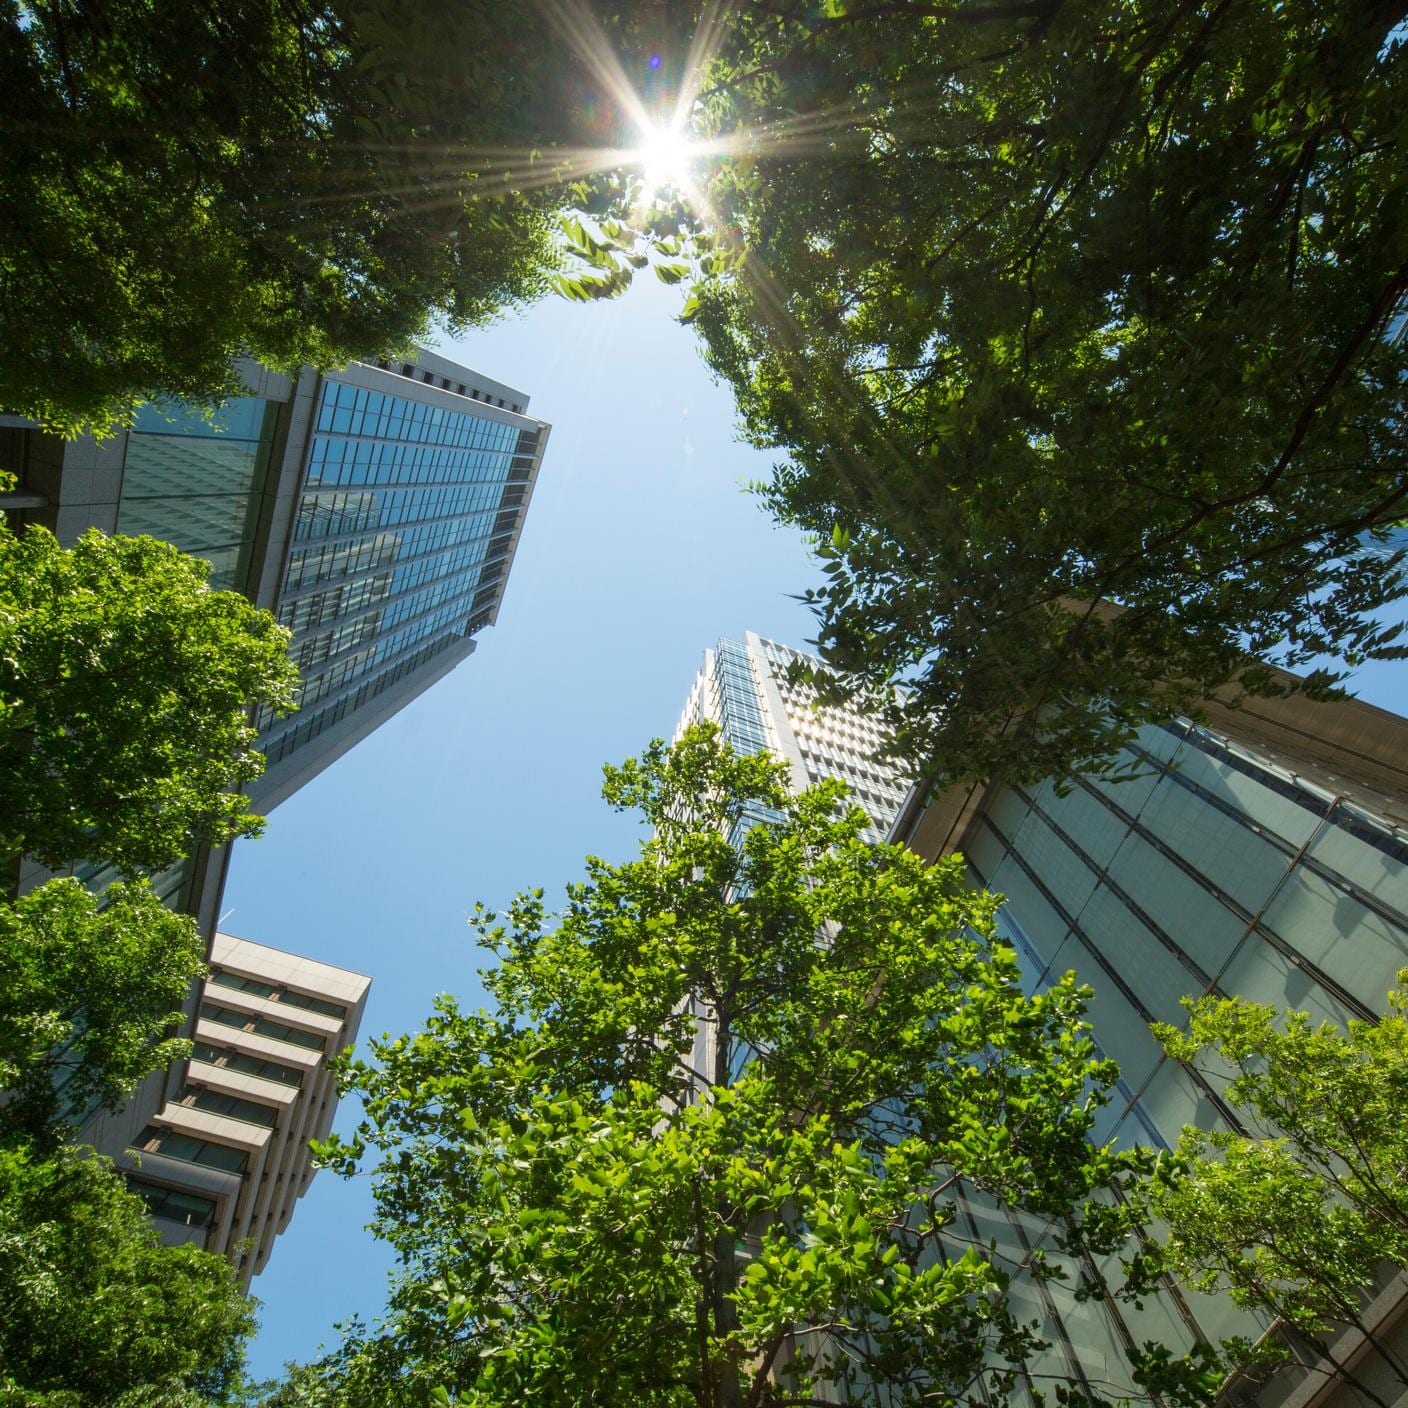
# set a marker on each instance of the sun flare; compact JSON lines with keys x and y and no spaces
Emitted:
{"x":664,"y":158}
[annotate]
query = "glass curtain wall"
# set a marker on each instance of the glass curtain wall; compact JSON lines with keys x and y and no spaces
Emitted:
{"x":1213,"y":872}
{"x":196,"y":480}
{"x":400,"y":526}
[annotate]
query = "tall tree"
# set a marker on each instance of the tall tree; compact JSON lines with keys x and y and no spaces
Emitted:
{"x":89,"y":995}
{"x":1061,"y":303}
{"x":94,"y":1310}
{"x":302,"y":182}
{"x":1300,"y":1217}
{"x":707,"y":1149}
{"x":126,"y":695}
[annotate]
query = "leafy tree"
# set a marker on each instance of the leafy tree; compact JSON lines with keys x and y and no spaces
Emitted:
{"x":1060,"y":303}
{"x":340,"y":174}
{"x":126,"y":691}
{"x":88,"y":998}
{"x":706,"y":1151}
{"x":94,"y":1311}
{"x":1300,"y":1217}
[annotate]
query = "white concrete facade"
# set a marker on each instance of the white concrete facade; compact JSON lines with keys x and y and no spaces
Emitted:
{"x":225,"y":1160}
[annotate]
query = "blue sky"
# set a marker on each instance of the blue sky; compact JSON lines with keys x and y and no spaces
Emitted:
{"x":639,"y":550}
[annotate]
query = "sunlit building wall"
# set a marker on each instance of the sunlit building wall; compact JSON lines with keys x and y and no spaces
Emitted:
{"x":743,"y":687}
{"x":223,"y":1163}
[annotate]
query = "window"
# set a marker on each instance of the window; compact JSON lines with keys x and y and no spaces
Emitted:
{"x":173,"y":1205}
{"x":267,"y":990}
{"x":234,"y":1107}
{"x":206,"y":1152}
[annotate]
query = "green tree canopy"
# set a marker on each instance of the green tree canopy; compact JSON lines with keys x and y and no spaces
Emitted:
{"x":707,"y":1150}
{"x":1060,"y":302}
{"x":94,"y":1311}
{"x":126,"y":691}
{"x":310,"y":182}
{"x":88,"y":998}
{"x":1300,"y":1216}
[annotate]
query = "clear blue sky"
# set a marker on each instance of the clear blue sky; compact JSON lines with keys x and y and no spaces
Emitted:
{"x":640,"y":549}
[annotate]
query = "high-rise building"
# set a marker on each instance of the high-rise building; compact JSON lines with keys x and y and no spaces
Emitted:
{"x":376,"y":510}
{"x":1263,"y":856}
{"x":743,"y":686}
{"x":224,"y":1161}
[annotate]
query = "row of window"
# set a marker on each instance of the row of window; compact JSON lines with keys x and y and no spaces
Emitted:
{"x":275,"y":993}
{"x":448,"y":622}
{"x":347,"y":636}
{"x":353,"y":410}
{"x":233,"y":1107}
{"x":227,"y":1058}
{"x":260,"y":1026}
{"x":172,"y":1144}
{"x":335,"y":515}
{"x":335,"y":460}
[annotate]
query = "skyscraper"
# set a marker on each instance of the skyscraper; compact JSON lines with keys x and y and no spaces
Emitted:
{"x":376,"y":510}
{"x":743,"y":687}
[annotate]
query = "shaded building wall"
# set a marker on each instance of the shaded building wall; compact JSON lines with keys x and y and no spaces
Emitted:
{"x":1265,"y":857}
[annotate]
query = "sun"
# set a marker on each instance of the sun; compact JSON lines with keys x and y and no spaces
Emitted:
{"x":664,"y":159}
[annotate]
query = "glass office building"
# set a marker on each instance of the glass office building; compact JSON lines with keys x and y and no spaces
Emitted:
{"x":375,"y":510}
{"x":1232,"y":866}
{"x":404,"y":528}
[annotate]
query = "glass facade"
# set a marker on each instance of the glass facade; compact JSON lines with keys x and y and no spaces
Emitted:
{"x":1214,"y":871}
{"x":401,"y":538}
{"x":197,"y":481}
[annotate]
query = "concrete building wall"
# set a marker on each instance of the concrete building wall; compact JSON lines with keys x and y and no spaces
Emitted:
{"x":225,"y":1158}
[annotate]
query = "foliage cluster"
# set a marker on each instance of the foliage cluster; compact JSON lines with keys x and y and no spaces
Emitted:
{"x":1302,"y":1214}
{"x":709,"y":1148}
{"x":307,"y":182}
{"x":127,"y":689}
{"x":1069,"y":318}
{"x":94,"y":1310}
